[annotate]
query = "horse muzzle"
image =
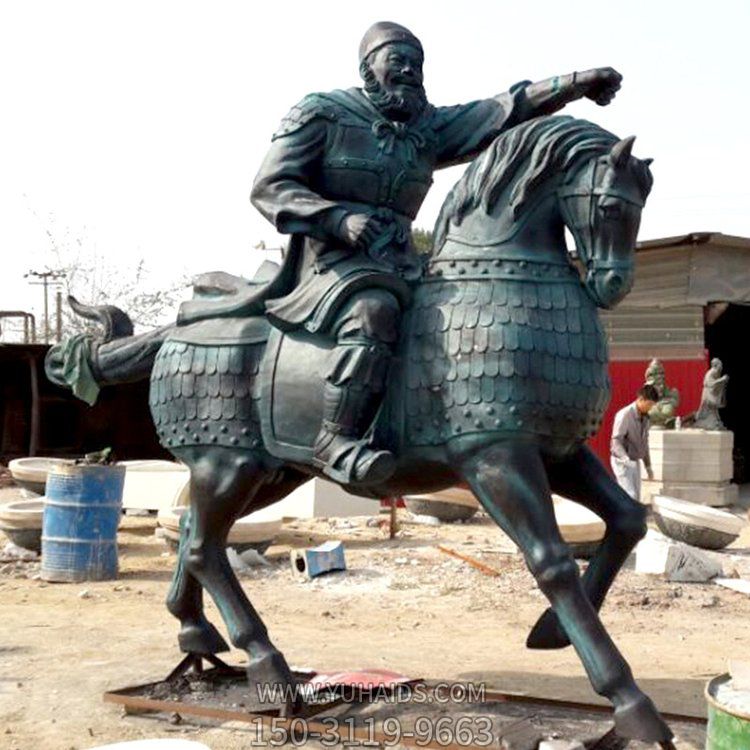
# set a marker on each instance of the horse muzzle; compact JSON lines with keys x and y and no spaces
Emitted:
{"x":609,"y":284}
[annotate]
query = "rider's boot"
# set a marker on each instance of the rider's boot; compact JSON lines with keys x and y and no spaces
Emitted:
{"x":340,"y":448}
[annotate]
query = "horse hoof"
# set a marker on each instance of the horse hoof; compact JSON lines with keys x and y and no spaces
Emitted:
{"x":202,"y":639}
{"x":273,"y":682}
{"x":547,"y":633}
{"x":640,"y":720}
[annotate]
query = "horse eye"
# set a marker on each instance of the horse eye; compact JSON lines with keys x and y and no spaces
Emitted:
{"x":611,"y":211}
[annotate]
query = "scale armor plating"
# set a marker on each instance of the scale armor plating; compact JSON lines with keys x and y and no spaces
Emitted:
{"x":206,"y":395}
{"x":504,"y":352}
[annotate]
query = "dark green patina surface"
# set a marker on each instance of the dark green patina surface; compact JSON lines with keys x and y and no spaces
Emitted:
{"x":502,"y":356}
{"x":504,"y":345}
{"x":206,"y":395}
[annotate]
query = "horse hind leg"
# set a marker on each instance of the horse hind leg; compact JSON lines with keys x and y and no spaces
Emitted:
{"x":511,"y":483}
{"x":582,"y":478}
{"x":185,"y":601}
{"x":222,"y":480}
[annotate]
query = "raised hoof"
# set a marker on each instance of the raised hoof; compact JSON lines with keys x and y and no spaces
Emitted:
{"x":547,"y":633}
{"x":272,"y":683}
{"x":203,"y":640}
{"x":640,"y":720}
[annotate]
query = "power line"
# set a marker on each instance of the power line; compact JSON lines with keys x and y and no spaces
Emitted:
{"x":48,"y":277}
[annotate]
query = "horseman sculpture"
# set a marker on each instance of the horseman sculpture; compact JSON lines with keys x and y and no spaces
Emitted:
{"x":346,"y":175}
{"x":496,"y":378}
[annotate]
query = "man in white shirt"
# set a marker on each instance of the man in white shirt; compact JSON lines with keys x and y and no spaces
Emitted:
{"x":629,"y":444}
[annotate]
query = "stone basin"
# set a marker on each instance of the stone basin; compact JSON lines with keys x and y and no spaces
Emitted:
{"x":255,"y":531}
{"x":152,"y":485}
{"x":579,"y":527}
{"x":455,"y":504}
{"x":698,"y":525}
{"x":31,"y":473}
{"x":21,"y":522}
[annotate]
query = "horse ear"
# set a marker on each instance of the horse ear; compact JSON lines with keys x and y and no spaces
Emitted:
{"x":648,"y":162}
{"x":620,"y":152}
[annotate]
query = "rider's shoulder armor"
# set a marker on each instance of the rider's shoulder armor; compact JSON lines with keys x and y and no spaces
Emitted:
{"x":311,"y":107}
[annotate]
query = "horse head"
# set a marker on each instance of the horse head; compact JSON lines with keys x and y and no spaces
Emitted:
{"x":601,"y":205}
{"x":542,"y":176}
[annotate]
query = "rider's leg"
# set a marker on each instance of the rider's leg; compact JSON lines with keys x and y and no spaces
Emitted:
{"x":366,"y":331}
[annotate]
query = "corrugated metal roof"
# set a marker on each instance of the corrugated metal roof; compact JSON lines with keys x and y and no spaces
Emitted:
{"x":662,"y":279}
{"x":695,"y":238}
{"x":693,"y":269}
{"x":645,"y":332}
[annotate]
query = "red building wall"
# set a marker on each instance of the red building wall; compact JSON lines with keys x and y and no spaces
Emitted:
{"x":686,"y":375}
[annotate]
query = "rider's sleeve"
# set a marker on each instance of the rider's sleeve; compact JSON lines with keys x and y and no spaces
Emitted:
{"x":282,"y":189}
{"x":465,"y":130}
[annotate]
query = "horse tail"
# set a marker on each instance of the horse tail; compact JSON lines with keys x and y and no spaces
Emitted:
{"x":85,"y":362}
{"x":115,"y":322}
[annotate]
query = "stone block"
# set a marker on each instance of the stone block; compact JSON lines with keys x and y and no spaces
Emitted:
{"x":658,"y":555}
{"x":691,"y":455}
{"x":713,"y":494}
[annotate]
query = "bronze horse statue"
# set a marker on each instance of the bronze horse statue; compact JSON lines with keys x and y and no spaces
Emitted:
{"x":501,"y":377}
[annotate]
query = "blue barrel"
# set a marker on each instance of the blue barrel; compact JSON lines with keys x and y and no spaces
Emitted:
{"x":82,"y":510}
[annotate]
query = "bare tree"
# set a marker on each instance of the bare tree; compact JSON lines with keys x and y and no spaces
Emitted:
{"x":98,"y":279}
{"x":94,"y":281}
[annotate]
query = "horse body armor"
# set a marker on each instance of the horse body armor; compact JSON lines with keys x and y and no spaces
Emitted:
{"x":206,"y":394}
{"x":491,"y":347}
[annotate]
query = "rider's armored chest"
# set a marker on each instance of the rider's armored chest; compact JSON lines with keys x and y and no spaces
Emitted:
{"x":377,"y":163}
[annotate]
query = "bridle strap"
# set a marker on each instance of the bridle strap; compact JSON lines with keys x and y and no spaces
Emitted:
{"x":578,"y":193}
{"x":610,"y":265}
{"x":592,"y":194}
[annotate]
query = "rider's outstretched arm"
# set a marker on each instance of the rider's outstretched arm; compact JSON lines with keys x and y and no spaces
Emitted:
{"x":552,"y":94}
{"x":465,"y":130}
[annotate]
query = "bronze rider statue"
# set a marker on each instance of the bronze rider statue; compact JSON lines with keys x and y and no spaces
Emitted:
{"x":345,"y":175}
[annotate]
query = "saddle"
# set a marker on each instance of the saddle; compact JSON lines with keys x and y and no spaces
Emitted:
{"x":229,"y":311}
{"x":222,"y":295}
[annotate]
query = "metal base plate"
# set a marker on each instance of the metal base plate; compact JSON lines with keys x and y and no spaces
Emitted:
{"x":419,"y":714}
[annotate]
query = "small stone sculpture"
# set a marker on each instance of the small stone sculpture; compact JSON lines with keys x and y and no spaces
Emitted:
{"x":713,"y":398}
{"x":663,"y":412}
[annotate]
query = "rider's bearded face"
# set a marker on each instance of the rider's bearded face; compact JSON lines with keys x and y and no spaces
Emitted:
{"x":393,"y":81}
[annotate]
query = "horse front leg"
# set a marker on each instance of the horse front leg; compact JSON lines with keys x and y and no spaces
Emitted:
{"x":511,"y":483}
{"x":581,"y":477}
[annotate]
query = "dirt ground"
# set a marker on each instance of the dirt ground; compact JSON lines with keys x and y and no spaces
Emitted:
{"x":402,"y":604}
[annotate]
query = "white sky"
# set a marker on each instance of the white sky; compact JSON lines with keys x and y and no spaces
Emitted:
{"x":136,"y":127}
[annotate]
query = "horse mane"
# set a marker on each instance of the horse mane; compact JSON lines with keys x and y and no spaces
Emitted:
{"x":542,"y":146}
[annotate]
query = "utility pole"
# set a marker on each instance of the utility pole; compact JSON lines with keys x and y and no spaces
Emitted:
{"x":46,"y":277}
{"x":58,"y":326}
